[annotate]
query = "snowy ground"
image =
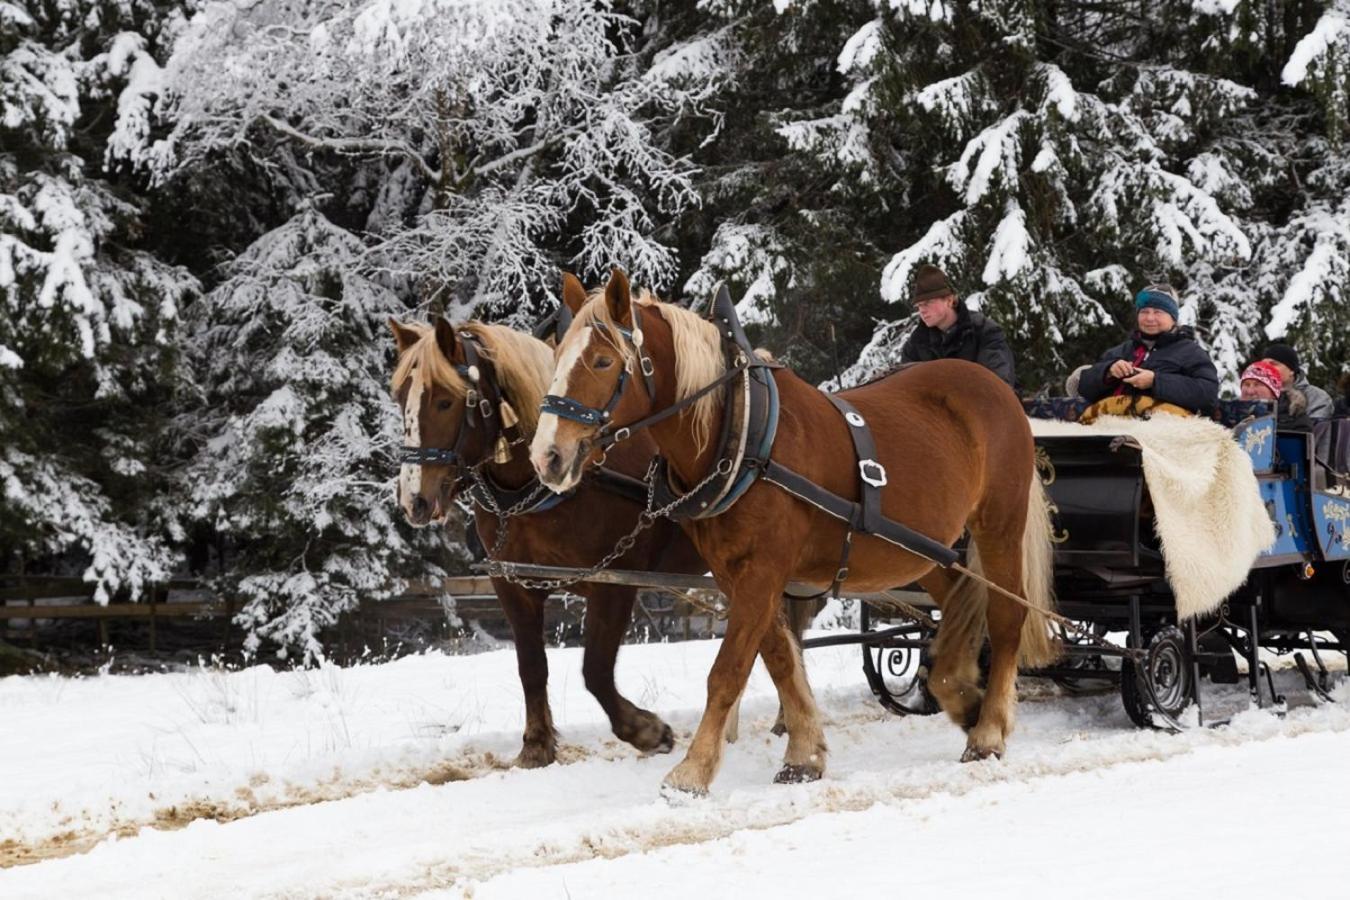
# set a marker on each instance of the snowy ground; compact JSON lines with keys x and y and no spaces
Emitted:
{"x":389,"y":780}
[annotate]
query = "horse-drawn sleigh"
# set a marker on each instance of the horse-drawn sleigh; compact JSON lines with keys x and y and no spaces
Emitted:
{"x":778,"y":487}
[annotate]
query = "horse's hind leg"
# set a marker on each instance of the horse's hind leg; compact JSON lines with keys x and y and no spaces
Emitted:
{"x":799,"y":613}
{"x":954,"y":680}
{"x":1002,"y":566}
{"x":525,"y":611}
{"x":804,"y":759}
{"x":608,"y":611}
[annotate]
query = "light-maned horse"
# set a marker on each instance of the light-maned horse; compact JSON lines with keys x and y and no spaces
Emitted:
{"x":960,"y":457}
{"x":577,"y":532}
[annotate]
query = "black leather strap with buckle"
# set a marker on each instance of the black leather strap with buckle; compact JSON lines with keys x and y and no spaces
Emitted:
{"x":871,"y":474}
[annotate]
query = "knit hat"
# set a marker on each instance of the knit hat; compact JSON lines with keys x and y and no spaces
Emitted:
{"x":1159,"y":296}
{"x":930,"y":282}
{"x":1265,"y":373}
{"x":1283,"y":353}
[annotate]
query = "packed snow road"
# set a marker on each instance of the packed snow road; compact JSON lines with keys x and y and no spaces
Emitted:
{"x":390,"y":780}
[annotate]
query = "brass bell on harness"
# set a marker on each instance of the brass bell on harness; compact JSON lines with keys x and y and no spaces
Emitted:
{"x":502,"y":451}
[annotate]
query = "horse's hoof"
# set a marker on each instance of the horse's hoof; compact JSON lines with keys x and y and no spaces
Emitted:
{"x":534,"y":756}
{"x":681,"y":796}
{"x":685,"y":781}
{"x":791,"y":774}
{"x":667,"y":741}
{"x":651,"y":735}
{"x":975,"y":754}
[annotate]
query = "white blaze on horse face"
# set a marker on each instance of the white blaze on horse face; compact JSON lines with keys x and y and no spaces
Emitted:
{"x":546,"y":433}
{"x":410,"y":475}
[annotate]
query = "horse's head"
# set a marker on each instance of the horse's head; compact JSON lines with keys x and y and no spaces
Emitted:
{"x":434,"y":399}
{"x":467,"y":392}
{"x":592,"y":390}
{"x":621,"y":361}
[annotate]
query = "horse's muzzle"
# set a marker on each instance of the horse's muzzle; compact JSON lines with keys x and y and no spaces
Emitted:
{"x":555,"y":470}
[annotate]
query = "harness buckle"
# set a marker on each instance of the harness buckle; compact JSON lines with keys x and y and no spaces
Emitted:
{"x":485,"y":408}
{"x":622,"y":434}
{"x":648,"y":367}
{"x":854,"y":419}
{"x":875,"y":476}
{"x":842,"y":575}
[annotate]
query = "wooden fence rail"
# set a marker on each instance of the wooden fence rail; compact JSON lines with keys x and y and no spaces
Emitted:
{"x":30,"y":600}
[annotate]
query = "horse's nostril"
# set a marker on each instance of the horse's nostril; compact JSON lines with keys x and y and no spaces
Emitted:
{"x":420,"y":507}
{"x":553,"y":460}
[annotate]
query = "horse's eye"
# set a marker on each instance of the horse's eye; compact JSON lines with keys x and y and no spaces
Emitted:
{"x":604,"y":362}
{"x":445,"y":405}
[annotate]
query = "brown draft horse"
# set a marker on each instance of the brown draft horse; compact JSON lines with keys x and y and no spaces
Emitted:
{"x":431,"y":394}
{"x":960,"y":457}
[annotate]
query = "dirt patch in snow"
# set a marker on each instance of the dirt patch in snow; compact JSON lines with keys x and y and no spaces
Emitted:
{"x":247,"y":800}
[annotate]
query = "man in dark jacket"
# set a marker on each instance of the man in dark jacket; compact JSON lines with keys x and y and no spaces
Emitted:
{"x":951,"y":331}
{"x":1285,"y":358}
{"x":1159,"y":360}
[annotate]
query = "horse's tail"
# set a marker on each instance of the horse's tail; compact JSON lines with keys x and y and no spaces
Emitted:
{"x":964,"y":611}
{"x":1039,"y":647}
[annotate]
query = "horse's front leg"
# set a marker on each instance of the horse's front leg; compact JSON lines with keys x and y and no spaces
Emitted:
{"x":525,"y":611}
{"x":608,"y":611}
{"x":753,"y":596}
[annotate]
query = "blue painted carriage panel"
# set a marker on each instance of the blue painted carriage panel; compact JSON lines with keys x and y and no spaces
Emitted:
{"x":1291,"y":533}
{"x":1257,"y":438}
{"x":1331,"y":515}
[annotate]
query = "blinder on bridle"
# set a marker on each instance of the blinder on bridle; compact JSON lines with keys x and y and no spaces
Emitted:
{"x":480,"y":412}
{"x":599,"y":417}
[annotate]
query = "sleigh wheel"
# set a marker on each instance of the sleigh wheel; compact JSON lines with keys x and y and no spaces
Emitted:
{"x":1160,"y":690}
{"x":898,"y":676}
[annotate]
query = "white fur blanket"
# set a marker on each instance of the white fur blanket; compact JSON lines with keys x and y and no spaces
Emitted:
{"x":1208,"y":513}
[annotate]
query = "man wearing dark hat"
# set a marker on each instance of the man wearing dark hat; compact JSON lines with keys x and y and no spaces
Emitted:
{"x":1285,"y":358}
{"x":1160,"y":359}
{"x":951,"y":331}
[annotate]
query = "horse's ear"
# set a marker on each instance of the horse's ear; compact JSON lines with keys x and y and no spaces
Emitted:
{"x":618,"y":298}
{"x":711,"y":309}
{"x":404,"y":337}
{"x":445,"y":339}
{"x":573,"y":294}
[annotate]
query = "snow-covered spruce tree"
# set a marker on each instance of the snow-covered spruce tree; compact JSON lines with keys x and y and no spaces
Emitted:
{"x":1306,"y":257}
{"x":510,"y":137}
{"x":87,"y":315}
{"x":295,"y":434}
{"x":1054,"y":158}
{"x":795,"y":241}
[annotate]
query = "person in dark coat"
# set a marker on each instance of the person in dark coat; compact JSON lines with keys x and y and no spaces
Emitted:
{"x":1285,"y":358}
{"x":950,"y":330}
{"x":1262,"y":381}
{"x":1160,"y":359}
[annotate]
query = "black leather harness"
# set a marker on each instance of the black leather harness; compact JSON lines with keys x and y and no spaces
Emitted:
{"x":744,"y":442}
{"x":745,"y":449}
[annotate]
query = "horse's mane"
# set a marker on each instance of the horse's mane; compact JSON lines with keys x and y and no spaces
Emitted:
{"x":522,"y":363}
{"x":698,"y":352}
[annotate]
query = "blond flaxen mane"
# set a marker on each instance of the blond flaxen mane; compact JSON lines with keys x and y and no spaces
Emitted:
{"x":698,"y":352}
{"x":522,"y":363}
